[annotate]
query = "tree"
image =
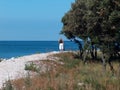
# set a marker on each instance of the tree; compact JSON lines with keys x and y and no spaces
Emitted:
{"x":106,"y":28}
{"x":72,"y":28}
{"x":97,"y":19}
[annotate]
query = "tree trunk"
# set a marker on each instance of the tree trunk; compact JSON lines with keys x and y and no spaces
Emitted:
{"x":104,"y":63}
{"x":84,"y":56}
{"x":81,"y":53}
{"x":92,"y":54}
{"x":95,"y":53}
{"x":111,"y":66}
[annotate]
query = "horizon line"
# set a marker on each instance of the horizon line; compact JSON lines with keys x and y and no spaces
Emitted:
{"x":33,"y":40}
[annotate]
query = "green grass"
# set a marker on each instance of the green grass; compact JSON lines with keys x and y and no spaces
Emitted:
{"x":72,"y":75}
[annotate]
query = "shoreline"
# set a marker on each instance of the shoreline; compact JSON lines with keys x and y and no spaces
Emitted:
{"x":15,"y":57}
{"x":13,"y":68}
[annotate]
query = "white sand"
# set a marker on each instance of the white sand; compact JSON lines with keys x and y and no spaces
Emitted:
{"x":14,"y":68}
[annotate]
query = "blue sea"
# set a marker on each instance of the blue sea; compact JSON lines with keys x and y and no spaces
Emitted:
{"x":10,"y":49}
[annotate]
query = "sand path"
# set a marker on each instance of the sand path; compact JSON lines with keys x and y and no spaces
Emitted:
{"x":14,"y":68}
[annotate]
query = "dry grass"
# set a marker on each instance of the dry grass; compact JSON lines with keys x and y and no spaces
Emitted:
{"x":72,"y":75}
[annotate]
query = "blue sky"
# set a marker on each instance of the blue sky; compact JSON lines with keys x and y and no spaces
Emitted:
{"x":32,"y":19}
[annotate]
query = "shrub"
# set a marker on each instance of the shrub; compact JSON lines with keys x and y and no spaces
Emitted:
{"x":31,"y":66}
{"x":8,"y":85}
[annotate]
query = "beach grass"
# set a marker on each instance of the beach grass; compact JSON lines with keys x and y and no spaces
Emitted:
{"x":71,"y":74}
{"x":31,"y":66}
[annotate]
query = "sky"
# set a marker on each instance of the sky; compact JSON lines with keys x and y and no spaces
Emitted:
{"x":32,"y":19}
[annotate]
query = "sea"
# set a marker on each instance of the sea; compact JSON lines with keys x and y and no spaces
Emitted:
{"x":9,"y":49}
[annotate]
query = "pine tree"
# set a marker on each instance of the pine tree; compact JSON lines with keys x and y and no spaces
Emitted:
{"x":97,"y":19}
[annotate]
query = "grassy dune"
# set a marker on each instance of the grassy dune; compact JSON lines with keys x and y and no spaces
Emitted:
{"x":68,"y":73}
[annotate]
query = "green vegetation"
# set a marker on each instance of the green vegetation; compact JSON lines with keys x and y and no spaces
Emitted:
{"x":31,"y":66}
{"x":98,"y":20}
{"x":0,"y":60}
{"x":8,"y":85}
{"x":72,"y":75}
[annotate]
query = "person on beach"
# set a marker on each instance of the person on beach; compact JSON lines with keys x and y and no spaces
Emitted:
{"x":61,"y":45}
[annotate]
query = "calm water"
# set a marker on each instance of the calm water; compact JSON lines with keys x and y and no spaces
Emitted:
{"x":10,"y":49}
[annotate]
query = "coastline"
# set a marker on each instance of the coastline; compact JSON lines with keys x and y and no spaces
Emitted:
{"x":13,"y":68}
{"x":9,"y":49}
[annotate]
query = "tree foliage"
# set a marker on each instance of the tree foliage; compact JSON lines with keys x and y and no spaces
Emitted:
{"x":97,"y":19}
{"x":100,"y":21}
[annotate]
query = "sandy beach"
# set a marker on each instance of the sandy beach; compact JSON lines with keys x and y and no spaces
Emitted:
{"x":14,"y":68}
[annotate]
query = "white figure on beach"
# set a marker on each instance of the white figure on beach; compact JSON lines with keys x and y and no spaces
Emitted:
{"x":61,"y":45}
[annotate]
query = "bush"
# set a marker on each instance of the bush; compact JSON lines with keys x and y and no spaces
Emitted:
{"x":31,"y":66}
{"x":8,"y":85}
